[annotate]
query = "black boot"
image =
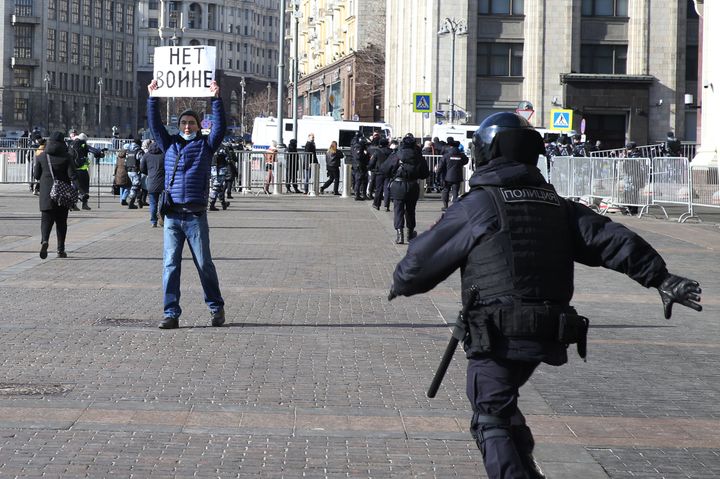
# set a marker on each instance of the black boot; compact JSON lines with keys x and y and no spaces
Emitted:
{"x":411,"y":234}
{"x":212,"y":205}
{"x":132,"y":205}
{"x":85,"y":205}
{"x":400,"y":238}
{"x":225,"y":204}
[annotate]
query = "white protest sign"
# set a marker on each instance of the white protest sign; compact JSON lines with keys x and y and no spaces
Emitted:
{"x":184,"y":71}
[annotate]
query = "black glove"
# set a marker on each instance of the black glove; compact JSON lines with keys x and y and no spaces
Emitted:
{"x":392,"y":294}
{"x":676,"y":289}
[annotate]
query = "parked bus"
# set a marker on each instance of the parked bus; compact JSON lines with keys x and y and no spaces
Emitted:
{"x":325,"y":129}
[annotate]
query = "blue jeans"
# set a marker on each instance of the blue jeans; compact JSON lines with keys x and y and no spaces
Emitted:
{"x":153,"y":197}
{"x":192,"y":227}
{"x":124,"y":192}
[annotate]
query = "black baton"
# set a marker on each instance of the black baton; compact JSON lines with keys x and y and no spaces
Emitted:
{"x":458,"y":332}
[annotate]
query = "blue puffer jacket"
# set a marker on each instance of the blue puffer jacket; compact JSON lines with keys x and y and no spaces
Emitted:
{"x":192,"y":180}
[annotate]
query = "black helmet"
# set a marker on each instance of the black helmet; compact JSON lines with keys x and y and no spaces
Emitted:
{"x":408,"y":139}
{"x":491,"y":126}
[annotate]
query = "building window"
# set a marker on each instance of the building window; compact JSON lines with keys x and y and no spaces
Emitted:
{"x":691,"y":12}
{"x":75,"y":12}
{"x":153,"y":4}
{"x":21,"y":108}
{"x":62,"y":47}
{"x":152,"y":22}
{"x":52,"y":9}
{"x":173,"y":17}
{"x":24,"y":8}
{"x":194,"y":15}
{"x":500,"y":59}
{"x":74,"y":48}
{"x":501,"y":7}
{"x":212,"y":17}
{"x":108,"y":16}
{"x":63,"y":10}
{"x":86,"y":13}
{"x":608,"y":59}
{"x":118,"y":16}
{"x":97,"y":14}
{"x":129,"y":55}
{"x":86,"y":50}
{"x":50,"y":53}
{"x":605,"y":8}
{"x":97,"y":48}
{"x":129,"y":20}
{"x":118,"y":57}
{"x":23,"y":41}
{"x":107,"y":54}
{"x":22,"y":76}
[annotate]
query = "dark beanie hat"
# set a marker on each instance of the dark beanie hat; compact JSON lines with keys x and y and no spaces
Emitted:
{"x":57,"y":136}
{"x":189,"y":113}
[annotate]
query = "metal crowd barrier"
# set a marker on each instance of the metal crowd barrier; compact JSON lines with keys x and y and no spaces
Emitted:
{"x":704,"y":189}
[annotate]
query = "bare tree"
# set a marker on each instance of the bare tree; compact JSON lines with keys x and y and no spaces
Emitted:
{"x":256,"y":104}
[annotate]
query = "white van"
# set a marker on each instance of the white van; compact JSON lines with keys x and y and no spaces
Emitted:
{"x":461,"y":133}
{"x":325,"y":129}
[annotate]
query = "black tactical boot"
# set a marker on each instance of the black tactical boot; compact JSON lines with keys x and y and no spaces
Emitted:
{"x":400,"y":238}
{"x":225,"y":204}
{"x":212,"y":205}
{"x":85,"y":205}
{"x":132,"y":205}
{"x":411,"y":234}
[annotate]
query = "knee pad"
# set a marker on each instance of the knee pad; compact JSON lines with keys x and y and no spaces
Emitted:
{"x":484,"y":427}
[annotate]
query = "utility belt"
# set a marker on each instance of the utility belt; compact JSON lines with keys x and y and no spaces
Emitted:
{"x":542,"y":322}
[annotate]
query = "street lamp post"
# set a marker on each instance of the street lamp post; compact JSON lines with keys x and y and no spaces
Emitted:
{"x":268,"y":99}
{"x":454,"y":27}
{"x":100,"y":85}
{"x":242,"y":108}
{"x":297,"y":15}
{"x":47,"y":102}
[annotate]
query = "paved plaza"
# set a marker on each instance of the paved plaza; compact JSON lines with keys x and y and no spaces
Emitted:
{"x":315,"y":374}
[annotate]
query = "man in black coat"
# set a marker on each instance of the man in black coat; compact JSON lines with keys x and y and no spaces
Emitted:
{"x":377,"y":159}
{"x":404,"y":168}
{"x":360,"y":160}
{"x":516,"y":242}
{"x":311,"y":159}
{"x":451,"y":171}
{"x":152,"y":164}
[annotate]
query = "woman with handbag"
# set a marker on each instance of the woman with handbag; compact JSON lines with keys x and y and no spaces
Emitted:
{"x":54,"y":169}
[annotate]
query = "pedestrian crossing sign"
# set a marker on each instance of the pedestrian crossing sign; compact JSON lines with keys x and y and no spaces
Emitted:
{"x":422,"y":102}
{"x":561,"y":119}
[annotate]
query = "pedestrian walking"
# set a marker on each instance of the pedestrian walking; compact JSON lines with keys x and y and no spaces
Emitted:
{"x":311,"y":159}
{"x":333,"y":159}
{"x":378,"y":158}
{"x":516,"y":241}
{"x":153,"y":167}
{"x":292,"y":166}
{"x":54,"y":163}
{"x":121,"y":180}
{"x":187,"y":175}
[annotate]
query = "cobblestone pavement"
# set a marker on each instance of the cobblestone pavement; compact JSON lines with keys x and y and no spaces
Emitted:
{"x":316,"y":374}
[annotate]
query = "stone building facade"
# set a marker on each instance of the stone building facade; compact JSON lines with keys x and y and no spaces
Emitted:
{"x":68,"y":63}
{"x":627,"y":67}
{"x":340,"y":58}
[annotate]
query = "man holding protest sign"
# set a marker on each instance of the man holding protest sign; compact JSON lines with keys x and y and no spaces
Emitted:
{"x":187,"y":176}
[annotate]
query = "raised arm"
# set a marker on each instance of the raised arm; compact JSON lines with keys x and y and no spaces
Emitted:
{"x":162,"y":137}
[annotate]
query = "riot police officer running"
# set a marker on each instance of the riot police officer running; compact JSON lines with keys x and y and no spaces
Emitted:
{"x":404,"y":168}
{"x":516,"y":241}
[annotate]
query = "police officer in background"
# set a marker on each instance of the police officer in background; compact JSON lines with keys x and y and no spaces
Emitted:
{"x":377,"y":159}
{"x":672,"y":146}
{"x":360,"y":160}
{"x":450,"y":171}
{"x":516,"y":241}
{"x":404,"y":168}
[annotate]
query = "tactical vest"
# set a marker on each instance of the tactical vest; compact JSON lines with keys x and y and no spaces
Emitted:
{"x":530,"y":257}
{"x":131,"y":160}
{"x":523,"y":273}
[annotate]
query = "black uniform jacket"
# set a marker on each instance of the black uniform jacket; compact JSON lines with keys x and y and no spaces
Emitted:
{"x":437,"y":253}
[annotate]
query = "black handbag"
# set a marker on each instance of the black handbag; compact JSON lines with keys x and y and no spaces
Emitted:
{"x":165,"y":201}
{"x":62,"y":192}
